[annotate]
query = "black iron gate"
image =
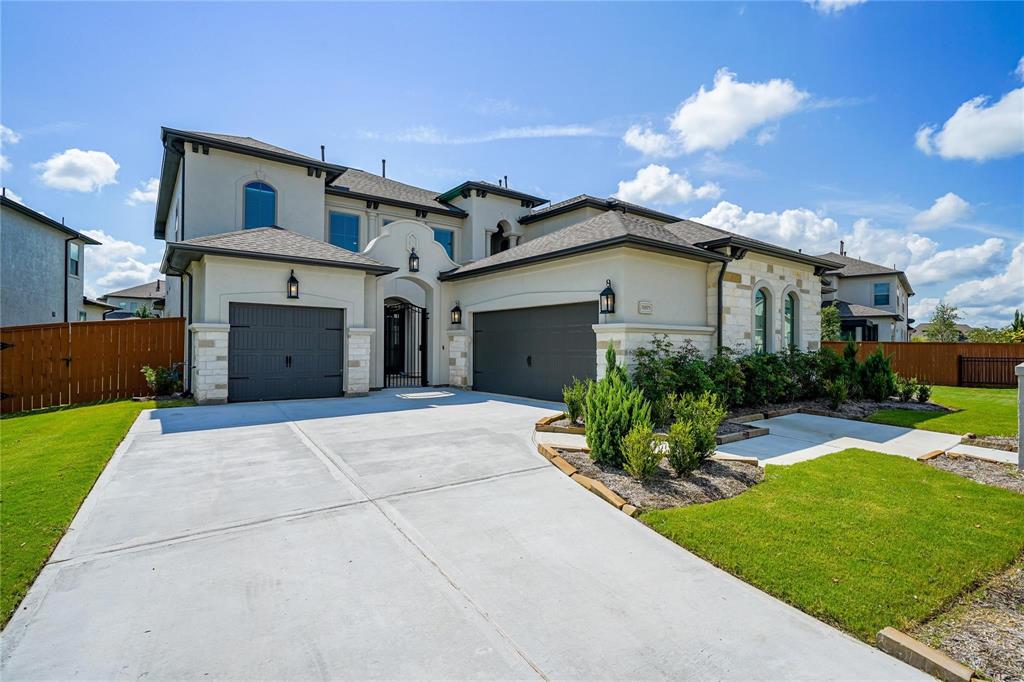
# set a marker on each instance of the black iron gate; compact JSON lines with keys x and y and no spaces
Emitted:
{"x":405,"y":345}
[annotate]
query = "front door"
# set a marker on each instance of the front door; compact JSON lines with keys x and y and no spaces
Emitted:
{"x":405,"y":345}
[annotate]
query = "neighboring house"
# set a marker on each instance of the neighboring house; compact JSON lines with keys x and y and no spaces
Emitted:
{"x":150,"y":295}
{"x":873,"y":300}
{"x":920,"y":332}
{"x":301,"y":278}
{"x":94,"y":310}
{"x":42,"y":266}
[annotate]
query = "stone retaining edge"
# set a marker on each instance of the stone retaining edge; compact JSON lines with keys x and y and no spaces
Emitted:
{"x":921,"y":656}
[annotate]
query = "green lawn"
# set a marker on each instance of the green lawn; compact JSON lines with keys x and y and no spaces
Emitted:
{"x":858,"y":539}
{"x":983,"y":411}
{"x":49,"y":461}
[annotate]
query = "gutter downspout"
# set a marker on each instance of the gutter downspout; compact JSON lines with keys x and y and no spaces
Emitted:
{"x":721,"y":277}
{"x":188,"y":321}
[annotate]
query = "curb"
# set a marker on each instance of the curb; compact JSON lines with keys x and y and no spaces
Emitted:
{"x":596,"y":487}
{"x":930,"y":455}
{"x":544,"y":425}
{"x":741,"y":435}
{"x":921,"y":656}
{"x":742,"y":459}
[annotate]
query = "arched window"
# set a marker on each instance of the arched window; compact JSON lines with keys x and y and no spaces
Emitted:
{"x":790,"y":321}
{"x":499,"y":239}
{"x":761,"y":321}
{"x":260,"y":205}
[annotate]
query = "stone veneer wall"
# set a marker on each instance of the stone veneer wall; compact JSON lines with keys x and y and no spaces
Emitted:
{"x":779,"y":277}
{"x":209,"y":362}
{"x":358,"y":370}
{"x":458,"y":358}
{"x":625,"y":338}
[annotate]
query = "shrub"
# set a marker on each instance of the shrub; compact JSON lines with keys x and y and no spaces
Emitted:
{"x":162,"y":380}
{"x":802,"y":372}
{"x":727,"y":377}
{"x":837,"y":391}
{"x":830,"y":365}
{"x":613,"y":408}
{"x":850,"y":369}
{"x":682,"y":452}
{"x":877,"y":380}
{"x":663,"y":412}
{"x":704,"y":414}
{"x":905,"y":388}
{"x":661,"y":369}
{"x":924,"y":392}
{"x":766,"y":379}
{"x":575,"y":397}
{"x":640,"y":452}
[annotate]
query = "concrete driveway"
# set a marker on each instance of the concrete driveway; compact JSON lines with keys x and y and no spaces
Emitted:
{"x":401,"y":535}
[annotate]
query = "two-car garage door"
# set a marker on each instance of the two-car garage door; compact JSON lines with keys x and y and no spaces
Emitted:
{"x":278,"y":352}
{"x":534,"y":352}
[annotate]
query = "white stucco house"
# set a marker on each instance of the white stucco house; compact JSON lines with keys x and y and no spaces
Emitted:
{"x":873,"y":300}
{"x":302,"y":278}
{"x":42,"y":267}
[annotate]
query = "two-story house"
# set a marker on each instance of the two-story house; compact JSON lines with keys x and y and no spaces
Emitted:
{"x":303,"y":278}
{"x":42,"y":262}
{"x":873,"y":300}
{"x":150,"y":296}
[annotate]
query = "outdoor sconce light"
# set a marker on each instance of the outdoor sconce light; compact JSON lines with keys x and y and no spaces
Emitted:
{"x":293,"y":286}
{"x":456,"y":314}
{"x":607,"y":299}
{"x":414,"y":261}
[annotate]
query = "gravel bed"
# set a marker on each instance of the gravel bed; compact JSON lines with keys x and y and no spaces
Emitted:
{"x":990,"y":473}
{"x":1008,"y":443}
{"x":713,"y":480}
{"x":985,"y":630}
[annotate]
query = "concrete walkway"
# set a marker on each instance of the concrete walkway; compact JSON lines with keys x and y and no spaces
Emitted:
{"x":403,"y":535}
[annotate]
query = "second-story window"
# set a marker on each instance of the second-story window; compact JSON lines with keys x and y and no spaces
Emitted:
{"x":260,"y":205}
{"x":343,"y":231}
{"x":74,"y":258}
{"x":445,"y":238}
{"x":881,"y":292}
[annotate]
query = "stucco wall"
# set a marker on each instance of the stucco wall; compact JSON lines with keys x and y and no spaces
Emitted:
{"x":861,"y":290}
{"x":549,"y":225}
{"x":214,"y":193}
{"x":779,"y":277}
{"x":371,"y":221}
{"x":484,"y":215}
{"x":32,"y":272}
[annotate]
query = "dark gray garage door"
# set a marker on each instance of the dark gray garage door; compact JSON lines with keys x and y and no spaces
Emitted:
{"x":278,"y":352}
{"x":533,"y":352}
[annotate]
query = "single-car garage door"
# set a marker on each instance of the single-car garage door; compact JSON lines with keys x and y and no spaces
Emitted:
{"x":278,"y":352}
{"x":534,"y":352}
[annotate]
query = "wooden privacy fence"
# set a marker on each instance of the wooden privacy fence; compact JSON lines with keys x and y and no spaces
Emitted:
{"x":43,"y":365}
{"x":947,"y":364}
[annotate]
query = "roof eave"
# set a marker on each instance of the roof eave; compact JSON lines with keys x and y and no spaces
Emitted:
{"x":500,"y":191}
{"x":450,"y":211}
{"x":193,"y":252}
{"x":47,"y":220}
{"x":821,"y":265}
{"x":626,"y":240}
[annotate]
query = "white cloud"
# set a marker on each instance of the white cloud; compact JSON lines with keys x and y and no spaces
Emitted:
{"x":1019,"y":71}
{"x":978,"y":131}
{"x":650,"y":143}
{"x":145,"y":193}
{"x":766,"y":135}
{"x":716,"y":118}
{"x":10,"y":194}
{"x":832,"y":6}
{"x":5,"y":164}
{"x":81,"y":171}
{"x":1003,"y":288}
{"x":954,"y":263}
{"x":947,"y":209}
{"x":921,"y":311}
{"x":8,"y":136}
{"x":656,"y":184}
{"x":429,"y":135}
{"x":115,"y":264}
{"x":798,"y":228}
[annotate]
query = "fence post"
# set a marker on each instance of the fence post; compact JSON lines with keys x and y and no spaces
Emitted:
{"x":1020,"y":415}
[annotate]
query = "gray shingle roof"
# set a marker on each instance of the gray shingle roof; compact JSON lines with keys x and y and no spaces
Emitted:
{"x":851,"y":310}
{"x":585,"y":200}
{"x":853,"y":267}
{"x":154,"y":289}
{"x":270,"y":243}
{"x":500,"y":190}
{"x":360,"y":182}
{"x":607,"y":229}
{"x":253,"y":143}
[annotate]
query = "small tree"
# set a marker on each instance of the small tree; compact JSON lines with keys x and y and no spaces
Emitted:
{"x":613,"y":408}
{"x":830,"y":323}
{"x":943,"y":324}
{"x":143,"y":312}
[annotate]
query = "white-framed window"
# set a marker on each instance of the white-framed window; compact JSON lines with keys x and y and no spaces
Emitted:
{"x":880,"y":291}
{"x":74,"y":258}
{"x":445,"y":238}
{"x":82,"y":316}
{"x":791,"y":319}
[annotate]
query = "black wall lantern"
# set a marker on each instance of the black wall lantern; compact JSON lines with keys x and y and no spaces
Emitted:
{"x":456,"y":314}
{"x":293,"y":286}
{"x":607,"y":299}
{"x":414,"y":261}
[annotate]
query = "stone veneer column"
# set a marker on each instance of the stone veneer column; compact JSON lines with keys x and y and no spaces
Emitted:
{"x":209,"y":362}
{"x":458,"y":358}
{"x":360,"y":343}
{"x":609,"y":335}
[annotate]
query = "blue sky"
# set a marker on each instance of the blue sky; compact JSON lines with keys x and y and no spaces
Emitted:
{"x":798,"y":123}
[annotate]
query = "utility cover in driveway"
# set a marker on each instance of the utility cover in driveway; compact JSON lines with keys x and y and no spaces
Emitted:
{"x":534,"y":352}
{"x":280,"y":352}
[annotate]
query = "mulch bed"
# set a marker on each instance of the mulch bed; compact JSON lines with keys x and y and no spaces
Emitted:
{"x":990,"y":473}
{"x":853,"y":409}
{"x":986,"y":629}
{"x":713,"y":480}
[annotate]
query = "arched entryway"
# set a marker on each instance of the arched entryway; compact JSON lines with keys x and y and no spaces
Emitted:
{"x":406,"y":341}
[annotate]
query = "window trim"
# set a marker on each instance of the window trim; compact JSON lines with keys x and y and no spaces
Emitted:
{"x":435,"y":229}
{"x":791,"y":327}
{"x":359,"y":228}
{"x":874,"y":293}
{"x":767,"y":335}
{"x":75,"y":260}
{"x":245,"y":207}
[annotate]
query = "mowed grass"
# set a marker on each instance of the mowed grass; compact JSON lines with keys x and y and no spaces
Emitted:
{"x":49,"y":461}
{"x":983,"y":411}
{"x":857,"y":539}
